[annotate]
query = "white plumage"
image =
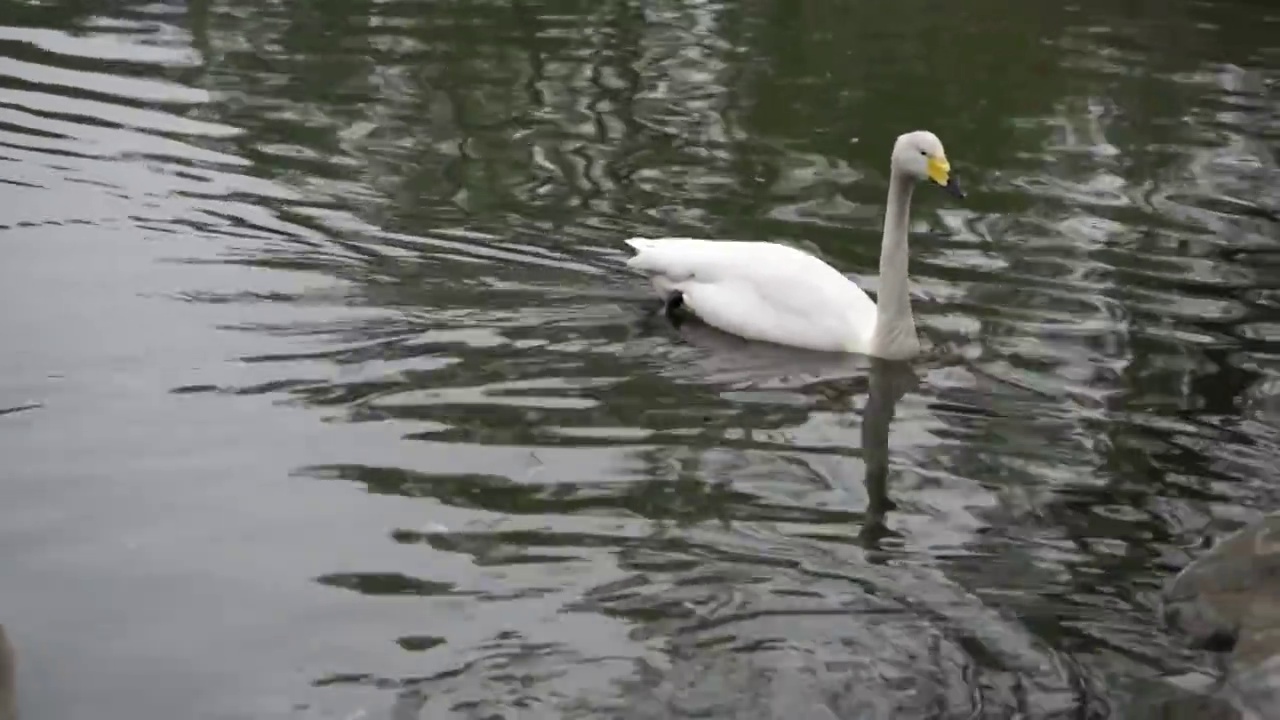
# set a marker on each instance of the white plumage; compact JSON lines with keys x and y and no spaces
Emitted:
{"x":759,"y":290}
{"x":776,"y":293}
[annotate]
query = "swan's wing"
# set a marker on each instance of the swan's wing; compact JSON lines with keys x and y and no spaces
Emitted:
{"x":678,"y":258}
{"x":739,"y":308}
{"x":762,"y":291}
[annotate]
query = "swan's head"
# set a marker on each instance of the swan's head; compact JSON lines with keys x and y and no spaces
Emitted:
{"x":919,"y":155}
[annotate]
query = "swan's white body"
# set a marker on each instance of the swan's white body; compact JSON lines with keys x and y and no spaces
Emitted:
{"x":777,"y":293}
{"x":761,"y":291}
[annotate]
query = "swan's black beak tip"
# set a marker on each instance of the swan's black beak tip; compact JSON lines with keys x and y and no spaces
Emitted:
{"x":953,"y":188}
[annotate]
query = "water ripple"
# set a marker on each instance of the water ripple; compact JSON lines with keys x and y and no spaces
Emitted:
{"x":326,"y":333}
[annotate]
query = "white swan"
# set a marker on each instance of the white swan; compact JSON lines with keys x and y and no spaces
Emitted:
{"x":776,"y":293}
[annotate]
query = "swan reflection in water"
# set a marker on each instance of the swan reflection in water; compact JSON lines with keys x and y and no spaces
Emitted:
{"x":838,"y":377}
{"x":715,"y":358}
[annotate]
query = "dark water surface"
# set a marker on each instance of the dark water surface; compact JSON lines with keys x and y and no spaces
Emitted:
{"x":323,"y":392}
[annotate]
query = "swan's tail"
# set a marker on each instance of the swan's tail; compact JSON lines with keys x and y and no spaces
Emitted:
{"x":640,"y":244}
{"x":645,"y":257}
{"x":654,"y":264}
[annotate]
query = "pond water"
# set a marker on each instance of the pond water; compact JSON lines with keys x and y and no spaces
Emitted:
{"x":324,"y":392}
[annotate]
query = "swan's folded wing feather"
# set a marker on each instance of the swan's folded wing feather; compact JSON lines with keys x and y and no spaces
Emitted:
{"x":795,"y":315}
{"x":680,"y":258}
{"x":711,"y":260}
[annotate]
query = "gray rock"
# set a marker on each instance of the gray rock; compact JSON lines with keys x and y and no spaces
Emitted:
{"x":1228,"y":601}
{"x":8,"y":698}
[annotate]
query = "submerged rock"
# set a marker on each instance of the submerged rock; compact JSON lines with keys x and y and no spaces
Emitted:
{"x":1228,"y":601}
{"x":8,"y":698}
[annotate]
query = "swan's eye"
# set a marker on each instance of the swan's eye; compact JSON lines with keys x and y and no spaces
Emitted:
{"x":924,"y":152}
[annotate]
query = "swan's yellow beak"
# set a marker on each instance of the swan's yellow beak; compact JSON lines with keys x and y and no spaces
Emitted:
{"x":940,"y":172}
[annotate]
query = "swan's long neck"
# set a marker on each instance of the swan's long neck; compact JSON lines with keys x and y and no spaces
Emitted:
{"x":895,"y":334}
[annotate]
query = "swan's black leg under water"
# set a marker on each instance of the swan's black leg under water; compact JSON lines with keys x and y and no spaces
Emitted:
{"x":672,"y":307}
